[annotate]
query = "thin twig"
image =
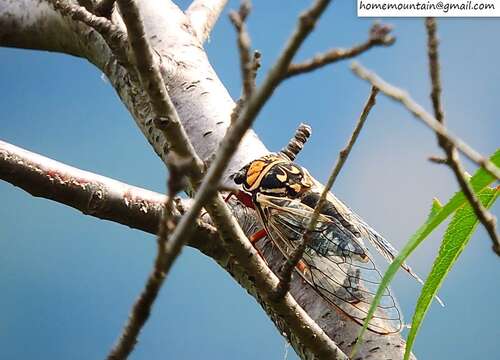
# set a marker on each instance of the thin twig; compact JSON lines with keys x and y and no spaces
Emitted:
{"x":293,"y":260}
{"x":379,"y":35}
{"x":203,"y":15}
{"x":438,"y":159}
{"x":296,"y":144}
{"x":419,"y":112}
{"x":164,"y":258}
{"x":244,"y":46}
{"x":105,"y":8}
{"x":484,"y":216}
{"x":254,"y":67}
{"x":114,"y":36}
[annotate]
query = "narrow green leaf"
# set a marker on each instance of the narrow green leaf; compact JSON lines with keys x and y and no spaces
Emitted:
{"x":480,"y":180}
{"x":455,"y":239}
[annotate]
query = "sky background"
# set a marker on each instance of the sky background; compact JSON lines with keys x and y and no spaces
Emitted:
{"x":68,"y":281}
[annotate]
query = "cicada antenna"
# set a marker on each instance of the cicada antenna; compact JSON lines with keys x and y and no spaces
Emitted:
{"x":296,"y":144}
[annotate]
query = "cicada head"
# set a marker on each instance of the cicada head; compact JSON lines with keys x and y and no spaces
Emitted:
{"x":273,"y":175}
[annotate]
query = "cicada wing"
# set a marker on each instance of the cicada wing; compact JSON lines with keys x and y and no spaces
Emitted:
{"x":338,"y":266}
{"x":383,"y":246}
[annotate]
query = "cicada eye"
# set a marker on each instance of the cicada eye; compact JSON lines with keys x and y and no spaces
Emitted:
{"x":240,"y":176}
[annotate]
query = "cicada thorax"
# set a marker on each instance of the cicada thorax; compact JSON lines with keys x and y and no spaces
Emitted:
{"x":275,"y":176}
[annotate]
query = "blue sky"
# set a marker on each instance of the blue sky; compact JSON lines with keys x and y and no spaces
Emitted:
{"x":68,"y":280}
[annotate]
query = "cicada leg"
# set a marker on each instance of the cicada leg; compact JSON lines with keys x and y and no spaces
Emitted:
{"x":246,"y":200}
{"x":262,"y":233}
{"x":302,"y":267}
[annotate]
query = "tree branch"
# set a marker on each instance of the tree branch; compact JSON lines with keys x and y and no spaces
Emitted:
{"x":203,"y":15}
{"x":419,"y":112}
{"x":379,"y":35}
{"x":246,"y":64}
{"x":34,"y":24}
{"x":112,"y":35}
{"x":484,"y":216}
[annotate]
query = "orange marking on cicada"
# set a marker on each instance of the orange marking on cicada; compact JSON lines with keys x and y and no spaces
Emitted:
{"x":302,"y":266}
{"x":258,"y":235}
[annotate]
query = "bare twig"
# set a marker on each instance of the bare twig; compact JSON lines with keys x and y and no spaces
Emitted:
{"x":246,"y":62}
{"x":438,"y":159}
{"x":203,"y":15}
{"x":164,"y":258}
{"x":296,"y":144}
{"x":419,"y":112}
{"x":104,"y":8}
{"x":114,"y":37}
{"x":484,"y":216}
{"x":380,"y":35}
{"x":309,"y":333}
{"x":295,"y":257}
{"x":254,"y":66}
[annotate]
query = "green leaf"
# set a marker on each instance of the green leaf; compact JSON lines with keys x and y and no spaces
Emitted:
{"x":455,"y":239}
{"x":480,"y":180}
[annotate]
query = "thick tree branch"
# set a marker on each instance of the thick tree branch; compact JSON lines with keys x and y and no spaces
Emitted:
{"x":34,"y":24}
{"x":419,"y":112}
{"x":379,"y":36}
{"x":484,"y":216}
{"x":203,"y":15}
{"x":112,"y":35}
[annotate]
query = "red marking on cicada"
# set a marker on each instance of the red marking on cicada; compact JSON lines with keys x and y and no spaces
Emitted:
{"x":245,"y":199}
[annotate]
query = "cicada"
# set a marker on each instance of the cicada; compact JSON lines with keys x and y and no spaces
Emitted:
{"x":336,"y":262}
